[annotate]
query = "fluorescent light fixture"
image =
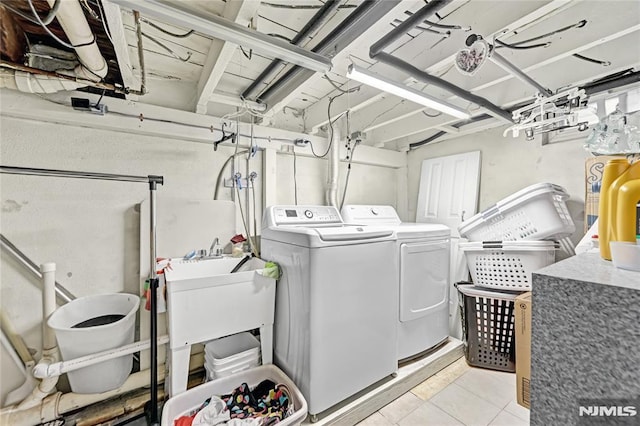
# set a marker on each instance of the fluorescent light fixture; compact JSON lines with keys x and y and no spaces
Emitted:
{"x":206,"y":23}
{"x":409,"y":93}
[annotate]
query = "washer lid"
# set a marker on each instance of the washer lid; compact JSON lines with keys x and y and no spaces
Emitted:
{"x":369,"y":214}
{"x":353,"y":232}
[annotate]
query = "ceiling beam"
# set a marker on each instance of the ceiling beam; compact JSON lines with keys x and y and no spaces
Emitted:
{"x":438,"y":59}
{"x":558,"y":52}
{"x":113,"y":16}
{"x":221,"y":52}
{"x":203,"y":22}
{"x":373,"y":24}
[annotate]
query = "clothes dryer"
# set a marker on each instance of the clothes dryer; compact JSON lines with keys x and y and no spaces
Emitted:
{"x":422,"y":277}
{"x":335,"y":323}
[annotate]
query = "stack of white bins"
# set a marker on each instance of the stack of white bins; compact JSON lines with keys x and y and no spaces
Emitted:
{"x":507,"y":242}
{"x":230,"y":355}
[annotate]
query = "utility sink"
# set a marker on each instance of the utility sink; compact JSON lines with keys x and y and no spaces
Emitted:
{"x":205,"y":301}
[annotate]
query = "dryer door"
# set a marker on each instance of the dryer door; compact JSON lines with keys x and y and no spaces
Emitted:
{"x":424,"y":278}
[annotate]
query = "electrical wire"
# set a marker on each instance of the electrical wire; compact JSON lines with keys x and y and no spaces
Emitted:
{"x":295,"y":179}
{"x":595,"y":61}
{"x":330,"y":127}
{"x":46,"y":21}
{"x":305,"y":6}
{"x":159,"y":28}
{"x":340,"y":89}
{"x":171,"y":52}
{"x":579,"y":24}
{"x":104,"y":23}
{"x":248,"y":56}
{"x":222,"y":169}
{"x":46,"y":28}
{"x":516,"y":47}
{"x":446,"y":27}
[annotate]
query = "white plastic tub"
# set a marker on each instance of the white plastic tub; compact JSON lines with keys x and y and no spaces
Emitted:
{"x":625,"y":255}
{"x":537,"y":212}
{"x":507,"y":265}
{"x":216,"y":373}
{"x":77,"y":342}
{"x":190,"y":400}
{"x":231,"y":349}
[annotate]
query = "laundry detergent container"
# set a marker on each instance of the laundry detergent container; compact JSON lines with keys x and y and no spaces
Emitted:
{"x":94,"y":324}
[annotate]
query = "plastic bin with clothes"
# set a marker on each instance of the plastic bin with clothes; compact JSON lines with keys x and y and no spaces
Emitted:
{"x":228,"y":399}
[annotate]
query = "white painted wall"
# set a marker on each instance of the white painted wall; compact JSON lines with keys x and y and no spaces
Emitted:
{"x":91,"y":228}
{"x":367,"y":184}
{"x":509,"y":165}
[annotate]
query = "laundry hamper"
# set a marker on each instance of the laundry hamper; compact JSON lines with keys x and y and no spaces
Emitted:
{"x":185,"y":402}
{"x":507,"y":265}
{"x":488,"y":327}
{"x":537,"y":212}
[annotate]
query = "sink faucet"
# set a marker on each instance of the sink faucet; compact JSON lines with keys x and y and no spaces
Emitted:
{"x":215,"y":250}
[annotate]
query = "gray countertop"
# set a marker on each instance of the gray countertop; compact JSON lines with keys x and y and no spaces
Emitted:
{"x":590,"y":267}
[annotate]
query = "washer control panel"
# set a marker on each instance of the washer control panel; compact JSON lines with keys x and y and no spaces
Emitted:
{"x":307,"y":215}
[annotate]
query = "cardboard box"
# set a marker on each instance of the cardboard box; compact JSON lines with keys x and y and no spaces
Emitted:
{"x":594,"y":167}
{"x":523,"y":348}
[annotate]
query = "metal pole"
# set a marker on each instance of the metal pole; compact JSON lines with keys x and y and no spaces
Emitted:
{"x":153,"y":281}
{"x":517,"y":72}
{"x":71,"y":174}
{"x":153,"y":286}
{"x":63,"y":295}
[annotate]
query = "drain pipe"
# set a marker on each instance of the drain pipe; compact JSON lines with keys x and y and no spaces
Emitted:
{"x":49,"y":345}
{"x":92,"y":66}
{"x":334,"y":163}
{"x":54,"y":406}
{"x":320,"y":17}
{"x":376,"y":52}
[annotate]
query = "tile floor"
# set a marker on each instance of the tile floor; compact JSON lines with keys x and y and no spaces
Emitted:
{"x":456,"y":395}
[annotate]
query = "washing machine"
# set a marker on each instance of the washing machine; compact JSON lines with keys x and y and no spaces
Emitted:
{"x":422,"y":277}
{"x":334,"y":328}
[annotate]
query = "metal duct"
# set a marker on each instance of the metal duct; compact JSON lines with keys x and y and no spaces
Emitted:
{"x":443,"y":84}
{"x":320,"y":17}
{"x":366,"y":14}
{"x":376,"y":52}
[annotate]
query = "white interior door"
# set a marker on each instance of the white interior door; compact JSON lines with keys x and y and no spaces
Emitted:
{"x":448,"y":194}
{"x":449,"y":189}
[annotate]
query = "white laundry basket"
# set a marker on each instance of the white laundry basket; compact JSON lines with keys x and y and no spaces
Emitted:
{"x":77,"y":342}
{"x":537,"y":212}
{"x":507,"y":265}
{"x":186,"y":402}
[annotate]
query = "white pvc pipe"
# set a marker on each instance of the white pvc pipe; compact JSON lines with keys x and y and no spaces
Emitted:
{"x":42,"y":371}
{"x":53,"y":406}
{"x":48,"y":271}
{"x":334,"y":162}
{"x":72,"y":20}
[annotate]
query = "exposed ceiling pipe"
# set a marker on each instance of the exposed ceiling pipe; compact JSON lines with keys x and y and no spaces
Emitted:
{"x":407,"y":25}
{"x":143,"y":74}
{"x":343,"y":34}
{"x":443,"y":84}
{"x":72,"y":20}
{"x":590,"y":89}
{"x":318,"y":18}
{"x":91,"y":70}
{"x":376,"y":52}
{"x":33,"y":80}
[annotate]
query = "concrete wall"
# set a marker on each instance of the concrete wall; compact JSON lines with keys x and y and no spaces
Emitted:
{"x":509,"y":165}
{"x":90,"y":228}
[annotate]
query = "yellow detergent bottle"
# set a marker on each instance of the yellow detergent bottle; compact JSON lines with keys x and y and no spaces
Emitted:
{"x":616,"y":173}
{"x":626,"y":211}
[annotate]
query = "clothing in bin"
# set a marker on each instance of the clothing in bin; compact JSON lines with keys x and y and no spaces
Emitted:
{"x":267,"y":404}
